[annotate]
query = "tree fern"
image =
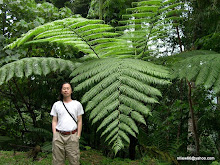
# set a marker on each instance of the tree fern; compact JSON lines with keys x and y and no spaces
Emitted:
{"x":91,"y":37}
{"x":122,"y":90}
{"x":33,"y":66}
{"x":202,"y":69}
{"x":120,"y":95}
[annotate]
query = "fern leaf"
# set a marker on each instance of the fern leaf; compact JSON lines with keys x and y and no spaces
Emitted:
{"x":127,"y":129}
{"x":105,"y":112}
{"x":19,"y":71}
{"x":118,"y":94}
{"x":36,"y":67}
{"x":118,"y":144}
{"x":203,"y":74}
{"x":88,"y":36}
{"x":151,"y":19}
{"x":99,"y":87}
{"x":124,"y":136}
{"x":28,"y":70}
{"x":112,"y":133}
{"x":10,"y":72}
{"x":105,"y":102}
{"x":133,"y":114}
{"x":110,"y":127}
{"x":203,"y":69}
{"x":137,"y":95}
{"x":33,"y":66}
{"x":139,"y":86}
{"x":108,"y":119}
{"x":105,"y":92}
{"x":134,"y":104}
{"x":45,"y":67}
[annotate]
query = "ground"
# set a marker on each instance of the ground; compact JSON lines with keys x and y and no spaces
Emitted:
{"x":88,"y":157}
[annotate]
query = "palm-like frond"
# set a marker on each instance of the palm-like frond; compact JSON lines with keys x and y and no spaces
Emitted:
{"x":40,"y":131}
{"x":201,"y":69}
{"x":34,"y":66}
{"x":91,"y":37}
{"x":148,"y":21}
{"x":120,"y":94}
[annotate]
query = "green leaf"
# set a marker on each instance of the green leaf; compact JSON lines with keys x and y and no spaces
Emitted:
{"x":117,"y":94}
{"x":33,"y":66}
{"x":203,"y":69}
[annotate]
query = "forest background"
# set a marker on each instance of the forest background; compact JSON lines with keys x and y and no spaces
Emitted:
{"x":147,"y":73}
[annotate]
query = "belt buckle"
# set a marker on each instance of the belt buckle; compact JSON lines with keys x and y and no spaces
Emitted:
{"x":66,"y":133}
{"x":63,"y":132}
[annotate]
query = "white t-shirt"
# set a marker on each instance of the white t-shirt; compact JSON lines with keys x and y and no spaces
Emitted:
{"x":65,"y":121}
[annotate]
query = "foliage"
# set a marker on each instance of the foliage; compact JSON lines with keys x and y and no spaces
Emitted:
{"x":120,"y":91}
{"x":166,"y":132}
{"x":18,"y":18}
{"x":25,"y":102}
{"x":110,"y":11}
{"x":204,"y":19}
{"x":79,"y":6}
{"x":91,"y":37}
{"x":210,"y":41}
{"x":29,"y":66}
{"x":203,"y":70}
{"x":151,"y":24}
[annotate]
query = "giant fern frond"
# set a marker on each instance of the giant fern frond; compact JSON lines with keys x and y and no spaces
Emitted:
{"x":147,"y":22}
{"x":120,"y":95}
{"x":201,"y":69}
{"x":91,"y":37}
{"x":34,"y":66}
{"x":40,"y":131}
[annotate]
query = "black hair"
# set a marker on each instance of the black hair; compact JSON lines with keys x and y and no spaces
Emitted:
{"x":61,"y":96}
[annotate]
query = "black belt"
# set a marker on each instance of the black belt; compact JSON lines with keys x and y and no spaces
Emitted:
{"x":67,"y":133}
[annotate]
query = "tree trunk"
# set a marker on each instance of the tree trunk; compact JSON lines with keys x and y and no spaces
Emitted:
{"x":192,"y":122}
{"x":179,"y":39}
{"x":101,"y":9}
{"x":132,"y":146}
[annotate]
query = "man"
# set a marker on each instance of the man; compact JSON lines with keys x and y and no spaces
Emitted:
{"x":66,"y":131}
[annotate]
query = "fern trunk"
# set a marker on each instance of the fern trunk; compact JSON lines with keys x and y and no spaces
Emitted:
{"x":193,"y":119}
{"x":132,"y":146}
{"x":179,"y":39}
{"x":100,"y":9}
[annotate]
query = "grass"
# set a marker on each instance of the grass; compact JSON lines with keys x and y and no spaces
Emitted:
{"x":89,"y":157}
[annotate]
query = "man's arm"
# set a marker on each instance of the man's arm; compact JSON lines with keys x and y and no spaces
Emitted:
{"x":79,"y":125}
{"x":54,"y":124}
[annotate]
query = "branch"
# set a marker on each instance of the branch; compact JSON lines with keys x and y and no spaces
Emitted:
{"x":26,"y":103}
{"x":18,"y":109}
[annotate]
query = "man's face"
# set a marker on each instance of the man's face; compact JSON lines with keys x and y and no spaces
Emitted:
{"x":66,"y":90}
